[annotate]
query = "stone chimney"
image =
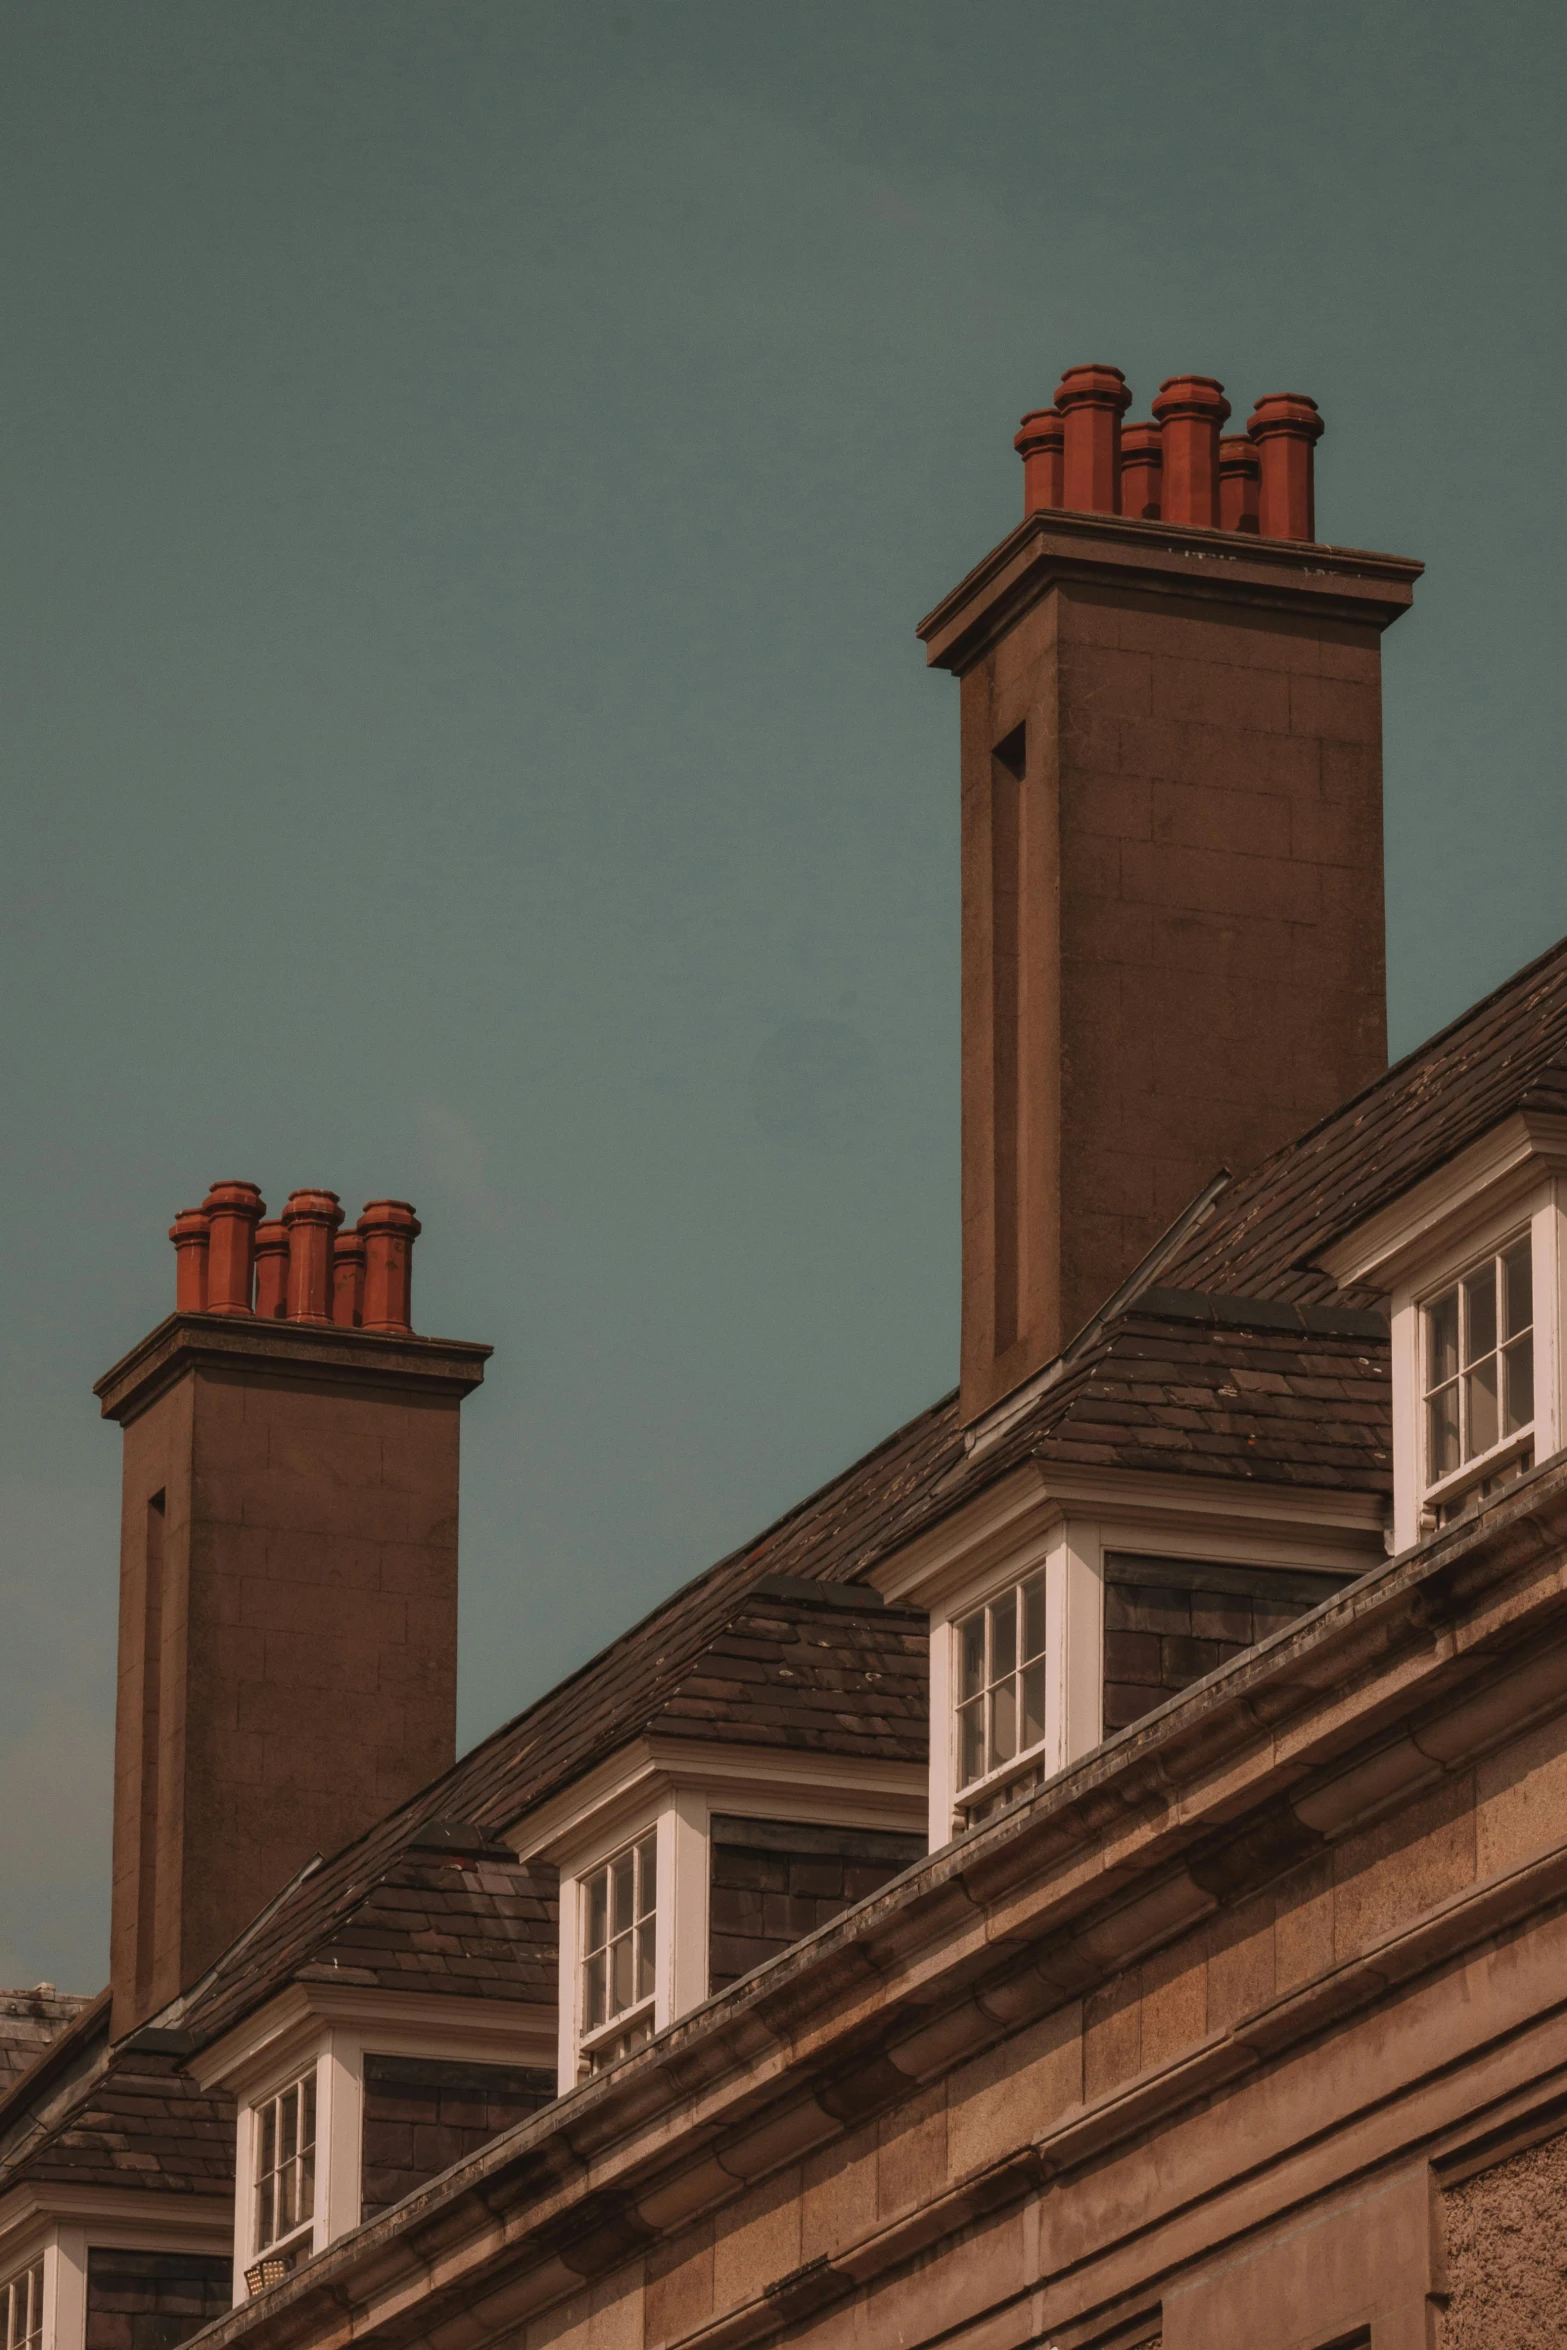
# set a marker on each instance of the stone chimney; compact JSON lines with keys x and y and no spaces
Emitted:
{"x":1172,"y":841}
{"x":288,"y":1571}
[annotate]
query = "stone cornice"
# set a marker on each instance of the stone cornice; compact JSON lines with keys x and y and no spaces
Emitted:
{"x":1109,"y":550}
{"x":1410,"y":1674}
{"x":330,"y":1356}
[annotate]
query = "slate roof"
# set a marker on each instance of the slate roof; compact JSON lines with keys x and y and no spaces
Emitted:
{"x":141,"y":2123}
{"x":1212,"y":1386}
{"x":482,"y":1929}
{"x":1246,"y":1364}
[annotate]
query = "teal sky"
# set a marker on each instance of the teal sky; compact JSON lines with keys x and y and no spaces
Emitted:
{"x":468,"y":478}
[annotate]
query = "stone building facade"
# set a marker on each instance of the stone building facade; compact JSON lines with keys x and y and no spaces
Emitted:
{"x":1095,"y":1874}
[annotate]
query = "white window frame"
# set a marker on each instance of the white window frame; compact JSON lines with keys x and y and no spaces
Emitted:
{"x":1442,"y":1490}
{"x":293,"y":2106}
{"x":1019,"y":1763}
{"x":1421,"y":1505}
{"x":679,"y":1837}
{"x":23,"y":2298}
{"x":616,"y":2033}
{"x":336,"y":2061}
{"x":1070,"y":1558}
{"x":1512,"y":1177}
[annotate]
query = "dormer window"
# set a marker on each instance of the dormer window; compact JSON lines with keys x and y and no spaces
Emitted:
{"x":1473,"y":1262}
{"x":286,"y":2171}
{"x":1001,"y":1680}
{"x":1479,"y":1374}
{"x":619,"y":1954}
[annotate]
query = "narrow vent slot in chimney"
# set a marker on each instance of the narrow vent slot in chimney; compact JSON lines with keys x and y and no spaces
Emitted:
{"x":1009,"y":762}
{"x":151,"y":1740}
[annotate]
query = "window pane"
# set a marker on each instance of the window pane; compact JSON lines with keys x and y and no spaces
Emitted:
{"x":1003,"y":1722}
{"x":1003,"y":1635}
{"x":1479,"y":1315}
{"x":593,"y":1980}
{"x":1442,"y":1430}
{"x":971,"y":1741}
{"x":307,"y":2135}
{"x":1480,"y":1407}
{"x":647,"y":1876}
{"x":1519,"y":1361}
{"x":307,"y":2184}
{"x":268,"y":2158}
{"x":1517,"y":1290}
{"x":621,"y":1909}
{"x":1034,"y":1616}
{"x":645,"y":1960}
{"x":285,"y":2200}
{"x":972,"y":1679}
{"x":620,"y":1974}
{"x":1442,"y":1340}
{"x":598,"y":1910}
{"x":264,"y":2228}
{"x":1033,"y":1703}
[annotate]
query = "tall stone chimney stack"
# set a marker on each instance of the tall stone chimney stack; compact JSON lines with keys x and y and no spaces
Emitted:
{"x":1172,"y":841}
{"x":288,"y":1571}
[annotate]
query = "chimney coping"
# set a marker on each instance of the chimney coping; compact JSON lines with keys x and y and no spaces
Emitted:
{"x":1059,"y":548}
{"x":286,"y":1350}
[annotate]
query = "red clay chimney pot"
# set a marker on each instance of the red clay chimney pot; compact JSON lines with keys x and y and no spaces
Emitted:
{"x":1142,"y":460}
{"x":389,"y":1229}
{"x":271,"y":1271}
{"x":311,"y":1217}
{"x":232,"y":1210}
{"x":348,"y":1280}
{"x":1240,"y":472}
{"x":1191,"y":409}
{"x":1092,"y":402}
{"x":1286,"y":428}
{"x":189,"y":1235}
{"x":1038,"y":442}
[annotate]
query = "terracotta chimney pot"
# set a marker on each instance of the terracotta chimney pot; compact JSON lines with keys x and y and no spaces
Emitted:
{"x":232,"y":1210}
{"x":189,"y":1235}
{"x":311,"y":1218}
{"x":1038,"y":441}
{"x":1092,"y":402}
{"x":389,"y":1229}
{"x":1142,"y":460}
{"x":1286,"y":428}
{"x":1191,"y":409}
{"x":348,"y":1280}
{"x":1240,"y":473}
{"x":271,"y":1271}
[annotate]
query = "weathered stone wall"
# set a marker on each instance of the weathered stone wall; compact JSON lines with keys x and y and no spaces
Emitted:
{"x":1053,"y":2261}
{"x":1507,"y":2254}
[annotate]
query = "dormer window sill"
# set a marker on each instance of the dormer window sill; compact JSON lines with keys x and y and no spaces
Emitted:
{"x":1475,"y":1483}
{"x":623,"y":2034}
{"x":985,"y":1797}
